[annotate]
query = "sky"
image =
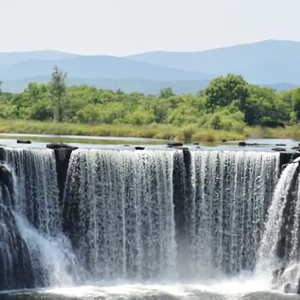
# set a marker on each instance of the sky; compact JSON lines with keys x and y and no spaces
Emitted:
{"x":124,"y":27}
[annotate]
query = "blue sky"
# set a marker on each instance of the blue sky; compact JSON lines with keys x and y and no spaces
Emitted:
{"x":123,"y":27}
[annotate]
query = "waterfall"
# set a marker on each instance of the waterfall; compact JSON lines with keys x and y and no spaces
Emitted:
{"x":294,"y":254}
{"x":229,"y":196}
{"x":276,"y":225}
{"x":35,"y":222}
{"x":15,"y":267}
{"x":35,"y":192}
{"x":119,"y":213}
{"x":137,"y":215}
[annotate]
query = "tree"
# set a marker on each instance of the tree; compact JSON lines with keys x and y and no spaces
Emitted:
{"x":58,"y":91}
{"x":222,"y":91}
{"x":0,"y":85}
{"x":166,"y":93}
{"x":265,"y":108}
{"x":296,"y":104}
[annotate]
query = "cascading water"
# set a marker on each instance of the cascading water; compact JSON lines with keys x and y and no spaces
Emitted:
{"x":226,"y":208}
{"x":36,"y":191}
{"x":268,"y":250}
{"x":119,"y":213}
{"x":141,"y":215}
{"x":33,"y":223}
{"x":279,"y":249}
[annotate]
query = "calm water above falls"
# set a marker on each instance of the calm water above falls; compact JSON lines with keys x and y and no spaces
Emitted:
{"x":152,"y":224}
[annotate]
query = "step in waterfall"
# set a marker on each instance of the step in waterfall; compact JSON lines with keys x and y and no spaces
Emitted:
{"x":153,"y":215}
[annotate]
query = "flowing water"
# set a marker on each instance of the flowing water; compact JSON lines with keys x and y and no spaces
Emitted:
{"x":119,"y":213}
{"x":157,"y":224}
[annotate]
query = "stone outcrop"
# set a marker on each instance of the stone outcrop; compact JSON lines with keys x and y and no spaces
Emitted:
{"x":62,"y":155}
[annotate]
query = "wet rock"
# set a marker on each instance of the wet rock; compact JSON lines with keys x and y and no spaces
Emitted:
{"x":56,"y":146}
{"x":23,"y":142}
{"x":6,"y":177}
{"x":243,"y":144}
{"x":279,"y":149}
{"x":287,"y":157}
{"x":175,"y":144}
{"x":276,"y":277}
{"x":278,"y":272}
{"x":139,"y":148}
{"x":287,"y":288}
{"x":296,"y":148}
{"x":298,"y":287}
{"x":62,"y":156}
{"x":287,"y":279}
{"x":280,"y":145}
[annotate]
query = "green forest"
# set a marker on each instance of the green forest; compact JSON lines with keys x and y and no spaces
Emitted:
{"x":228,"y":108}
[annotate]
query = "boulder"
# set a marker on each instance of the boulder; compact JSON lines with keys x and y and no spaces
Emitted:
{"x":279,"y":149}
{"x":139,"y":148}
{"x":23,"y":142}
{"x":280,"y":145}
{"x":58,"y":146}
{"x":175,"y":145}
{"x":242,"y":144}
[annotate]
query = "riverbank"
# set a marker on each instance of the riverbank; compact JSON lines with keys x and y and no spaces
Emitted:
{"x":191,"y":133}
{"x":158,"y":131}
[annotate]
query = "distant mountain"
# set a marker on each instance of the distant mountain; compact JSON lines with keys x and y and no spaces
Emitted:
{"x":97,"y":67}
{"x":7,"y":59}
{"x":264,"y":62}
{"x":151,"y":87}
{"x":270,"y":63}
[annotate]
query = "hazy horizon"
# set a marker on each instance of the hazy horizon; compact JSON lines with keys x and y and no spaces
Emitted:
{"x":125,"y":27}
{"x":191,"y":51}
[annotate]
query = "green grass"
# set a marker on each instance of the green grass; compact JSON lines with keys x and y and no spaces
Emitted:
{"x":290,"y":132}
{"x":190,"y":133}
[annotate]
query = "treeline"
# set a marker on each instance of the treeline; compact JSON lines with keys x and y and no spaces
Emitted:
{"x":228,"y":103}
